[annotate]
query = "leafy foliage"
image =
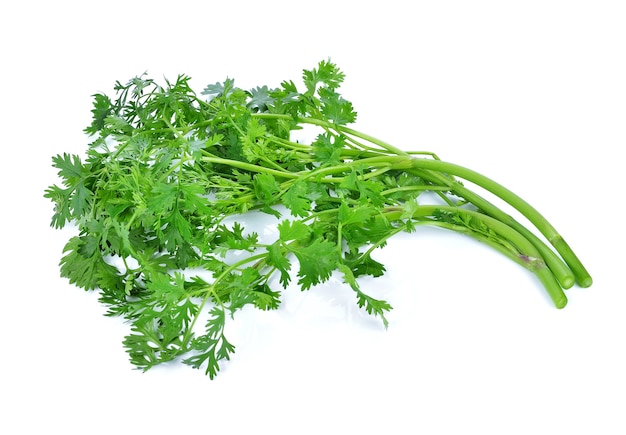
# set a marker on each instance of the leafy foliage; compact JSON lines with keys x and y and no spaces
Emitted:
{"x":167,"y":166}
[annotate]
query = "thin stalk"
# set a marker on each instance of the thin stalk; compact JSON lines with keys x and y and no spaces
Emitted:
{"x":506,"y":251}
{"x":338,"y":128}
{"x":421,"y":188}
{"x":577,"y":269}
{"x":249,"y":166}
{"x":535,"y":263}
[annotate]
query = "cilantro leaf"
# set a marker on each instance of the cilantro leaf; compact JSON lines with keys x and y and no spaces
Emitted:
{"x":317,"y":262}
{"x":266,"y":189}
{"x":293,"y":230}
{"x":211,"y":347}
{"x":363,"y":264}
{"x":260,"y":99}
{"x":326,"y":74}
{"x":101,"y":111}
{"x":224,"y":88}
{"x":277,"y":259}
{"x":83,"y":263}
{"x":335,"y":108}
{"x":61,"y":199}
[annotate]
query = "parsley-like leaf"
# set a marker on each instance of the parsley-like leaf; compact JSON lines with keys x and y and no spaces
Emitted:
{"x":317,"y":262}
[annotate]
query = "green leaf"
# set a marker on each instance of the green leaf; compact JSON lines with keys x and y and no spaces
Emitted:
{"x":155,"y":338}
{"x":327,"y":148}
{"x":254,"y":144}
{"x":265,"y":298}
{"x":163,"y":197}
{"x":179,"y":229}
{"x":234,"y":239}
{"x":219,"y":89}
{"x":260,"y":99}
{"x":166,"y":291}
{"x":326,"y":74}
{"x":240,"y":288}
{"x":61,"y":199}
{"x":300,"y":195}
{"x":211,"y":347}
{"x":374,"y":306}
{"x":102,"y":107}
{"x":70,"y":167}
{"x":81,"y":263}
{"x":317,"y":262}
{"x":81,"y":200}
{"x":364,"y":190}
{"x":293,"y":230}
{"x":337,"y":109}
{"x":355,"y":215}
{"x":142,"y":348}
{"x":195,"y":199}
{"x":266,"y":188}
{"x":361,"y":264}
{"x":277,"y":259}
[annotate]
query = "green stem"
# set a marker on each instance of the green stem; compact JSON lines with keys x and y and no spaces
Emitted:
{"x":539,"y":221}
{"x":371,"y":139}
{"x":249,"y":167}
{"x":209,"y":292}
{"x":530,"y":257}
{"x":424,"y":188}
{"x":338,"y":128}
{"x":505,"y":250}
{"x":558,"y":266}
{"x":572,"y":271}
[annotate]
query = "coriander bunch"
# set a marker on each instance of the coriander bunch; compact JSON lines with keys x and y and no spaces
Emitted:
{"x":166,"y":167}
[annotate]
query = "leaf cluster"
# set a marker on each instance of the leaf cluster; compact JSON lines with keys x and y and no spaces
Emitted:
{"x":165,"y":170}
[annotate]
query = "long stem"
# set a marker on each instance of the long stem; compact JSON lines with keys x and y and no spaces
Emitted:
{"x":559,"y":267}
{"x":249,"y":166}
{"x":541,"y":223}
{"x":577,"y":270}
{"x":535,"y":261}
{"x":338,"y":128}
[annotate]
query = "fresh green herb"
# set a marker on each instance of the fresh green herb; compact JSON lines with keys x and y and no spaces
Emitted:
{"x":166,"y":167}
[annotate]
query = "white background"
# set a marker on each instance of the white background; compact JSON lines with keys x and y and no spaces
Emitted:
{"x":530,"y":93}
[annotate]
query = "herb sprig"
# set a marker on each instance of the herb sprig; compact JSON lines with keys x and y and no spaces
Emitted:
{"x":166,"y":167}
